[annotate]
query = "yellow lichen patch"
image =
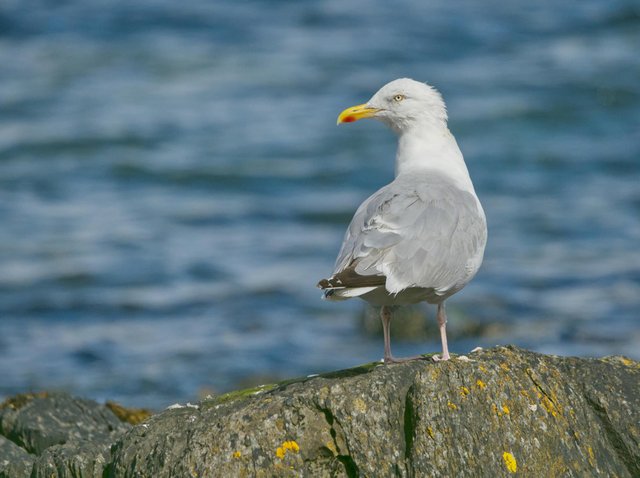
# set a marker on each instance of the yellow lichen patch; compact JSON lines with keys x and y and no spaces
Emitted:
{"x":291,"y":445}
{"x":510,"y":462}
{"x":592,"y":456}
{"x":287,"y":446}
{"x":464,"y":391}
{"x":430,"y":432}
{"x":451,"y":405}
{"x":626,"y":361}
{"x":503,"y":410}
{"x":331,"y":447}
{"x":237,"y":454}
{"x":482,"y":368}
{"x":504,"y":367}
{"x":524,"y":393}
{"x":549,"y":406}
{"x":481,"y":385}
{"x":360,"y":405}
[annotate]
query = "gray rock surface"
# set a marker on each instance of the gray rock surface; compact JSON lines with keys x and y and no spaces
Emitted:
{"x":73,"y":459}
{"x":58,"y":435}
{"x":56,"y":419}
{"x":503,"y":412}
{"x":14,"y":461}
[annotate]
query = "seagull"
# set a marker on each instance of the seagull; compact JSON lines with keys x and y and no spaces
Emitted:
{"x":421,"y":237}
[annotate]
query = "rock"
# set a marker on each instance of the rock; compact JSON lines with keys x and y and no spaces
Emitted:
{"x":503,"y":411}
{"x":76,"y":458}
{"x":60,"y":435}
{"x":14,"y":461}
{"x":55,"y":419}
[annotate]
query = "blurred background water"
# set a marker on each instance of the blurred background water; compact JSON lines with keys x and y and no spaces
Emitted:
{"x":173,"y":185}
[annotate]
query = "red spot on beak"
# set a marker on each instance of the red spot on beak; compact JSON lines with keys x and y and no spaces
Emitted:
{"x":348,"y":119}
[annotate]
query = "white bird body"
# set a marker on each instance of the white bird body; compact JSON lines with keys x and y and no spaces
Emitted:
{"x":421,"y":237}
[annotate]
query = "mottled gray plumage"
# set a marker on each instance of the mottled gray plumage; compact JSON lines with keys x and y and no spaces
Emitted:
{"x":420,"y":231}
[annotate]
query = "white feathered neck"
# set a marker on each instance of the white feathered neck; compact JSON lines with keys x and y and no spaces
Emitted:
{"x":417,"y":113}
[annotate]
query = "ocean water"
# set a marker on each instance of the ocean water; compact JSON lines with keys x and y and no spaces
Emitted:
{"x":173,"y":185}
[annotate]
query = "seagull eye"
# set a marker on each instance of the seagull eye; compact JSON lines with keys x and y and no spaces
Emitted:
{"x":398,"y":98}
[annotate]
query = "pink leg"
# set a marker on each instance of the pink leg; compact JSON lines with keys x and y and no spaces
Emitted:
{"x":385,"y":316}
{"x":442,"y":323}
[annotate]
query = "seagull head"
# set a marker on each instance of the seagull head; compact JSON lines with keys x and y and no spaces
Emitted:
{"x":402,"y":104}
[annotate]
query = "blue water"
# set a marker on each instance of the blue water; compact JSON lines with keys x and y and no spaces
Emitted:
{"x":173,"y":185}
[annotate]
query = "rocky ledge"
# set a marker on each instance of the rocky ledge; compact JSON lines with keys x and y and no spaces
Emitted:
{"x":497,"y":412}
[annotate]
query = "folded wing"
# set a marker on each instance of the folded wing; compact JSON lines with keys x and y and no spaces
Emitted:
{"x":418,"y":231}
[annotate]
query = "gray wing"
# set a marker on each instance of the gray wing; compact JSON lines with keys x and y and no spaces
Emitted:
{"x":419,"y":231}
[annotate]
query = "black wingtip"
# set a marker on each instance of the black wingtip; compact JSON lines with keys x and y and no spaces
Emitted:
{"x":323,"y":284}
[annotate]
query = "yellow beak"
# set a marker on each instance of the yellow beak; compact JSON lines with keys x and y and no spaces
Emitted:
{"x":356,"y":113}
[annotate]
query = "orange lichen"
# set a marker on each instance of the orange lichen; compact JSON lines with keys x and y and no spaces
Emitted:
{"x":237,"y":454}
{"x":133,"y":416}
